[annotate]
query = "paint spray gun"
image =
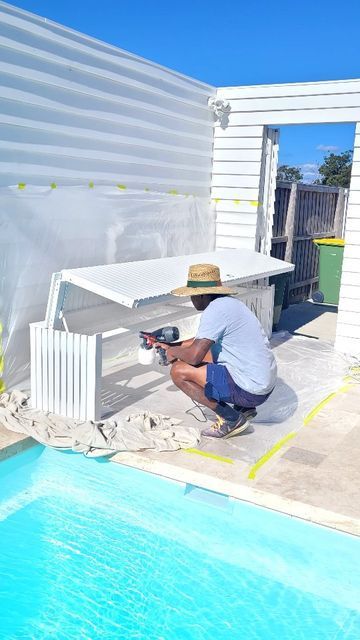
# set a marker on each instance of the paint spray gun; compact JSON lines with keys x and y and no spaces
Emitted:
{"x":146,"y":353}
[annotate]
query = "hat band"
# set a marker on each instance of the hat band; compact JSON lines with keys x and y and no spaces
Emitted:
{"x":203,"y":283}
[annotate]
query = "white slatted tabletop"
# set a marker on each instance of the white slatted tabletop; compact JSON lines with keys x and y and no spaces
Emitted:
{"x":134,"y":283}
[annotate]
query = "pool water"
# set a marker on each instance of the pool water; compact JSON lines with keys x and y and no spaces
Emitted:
{"x":93,"y":550}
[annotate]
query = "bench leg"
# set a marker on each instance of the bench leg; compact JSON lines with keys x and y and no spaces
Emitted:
{"x":66,"y":373}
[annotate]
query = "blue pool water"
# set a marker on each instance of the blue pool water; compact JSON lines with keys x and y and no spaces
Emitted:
{"x":94,"y":550}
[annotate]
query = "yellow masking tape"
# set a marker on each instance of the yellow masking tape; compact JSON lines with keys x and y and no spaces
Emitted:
{"x":254,"y":203}
{"x":122,"y":187}
{"x":21,"y":185}
{"x":205,"y":454}
{"x":322,"y":404}
{"x":291,"y":435}
{"x":91,"y":184}
{"x":269,"y":454}
{"x":53,"y":185}
{"x":237,"y":201}
{"x":173,"y":192}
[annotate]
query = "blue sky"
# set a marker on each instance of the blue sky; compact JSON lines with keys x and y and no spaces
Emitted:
{"x":233,"y":43}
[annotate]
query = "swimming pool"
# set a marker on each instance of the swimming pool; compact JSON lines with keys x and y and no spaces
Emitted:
{"x":93,"y":550}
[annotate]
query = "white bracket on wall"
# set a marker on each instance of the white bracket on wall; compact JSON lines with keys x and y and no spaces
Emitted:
{"x":221,"y":109}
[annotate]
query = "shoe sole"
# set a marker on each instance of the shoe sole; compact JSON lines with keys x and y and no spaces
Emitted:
{"x":237,"y":431}
{"x":249,"y":415}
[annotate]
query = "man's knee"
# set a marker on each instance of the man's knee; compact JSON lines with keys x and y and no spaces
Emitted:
{"x":178,"y":372}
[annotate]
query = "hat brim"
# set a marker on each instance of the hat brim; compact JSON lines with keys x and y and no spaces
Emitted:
{"x":201,"y":291}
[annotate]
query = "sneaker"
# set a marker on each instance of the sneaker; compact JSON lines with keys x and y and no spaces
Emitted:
{"x":249,"y":413}
{"x":226,"y":428}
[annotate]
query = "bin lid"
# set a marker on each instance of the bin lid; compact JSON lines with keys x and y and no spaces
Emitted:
{"x":331,"y":242}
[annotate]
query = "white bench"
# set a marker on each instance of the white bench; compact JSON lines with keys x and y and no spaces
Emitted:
{"x":66,"y":367}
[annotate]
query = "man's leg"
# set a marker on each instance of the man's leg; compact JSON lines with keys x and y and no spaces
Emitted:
{"x":192,"y":381}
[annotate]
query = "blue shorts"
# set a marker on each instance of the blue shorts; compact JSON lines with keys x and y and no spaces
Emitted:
{"x":221,"y":387}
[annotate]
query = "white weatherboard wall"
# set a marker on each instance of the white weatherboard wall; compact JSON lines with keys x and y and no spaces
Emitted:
{"x":74,"y":110}
{"x":238,"y":156}
{"x":237,"y":170}
{"x":348,"y":324}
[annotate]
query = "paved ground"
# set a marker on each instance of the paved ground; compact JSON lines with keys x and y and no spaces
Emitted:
{"x":313,"y":475}
{"x":308,"y":319}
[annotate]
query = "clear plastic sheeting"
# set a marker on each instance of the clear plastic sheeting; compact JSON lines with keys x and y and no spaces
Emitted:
{"x":309,"y":370}
{"x":44,"y":230}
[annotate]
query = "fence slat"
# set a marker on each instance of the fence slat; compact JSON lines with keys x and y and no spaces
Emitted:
{"x":302,"y":213}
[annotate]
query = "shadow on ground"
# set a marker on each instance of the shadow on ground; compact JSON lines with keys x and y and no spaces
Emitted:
{"x":311,"y":320}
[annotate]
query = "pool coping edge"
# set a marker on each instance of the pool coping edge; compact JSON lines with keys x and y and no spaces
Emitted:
{"x":239,"y":491}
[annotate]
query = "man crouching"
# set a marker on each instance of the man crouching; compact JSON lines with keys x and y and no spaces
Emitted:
{"x":229,"y":366}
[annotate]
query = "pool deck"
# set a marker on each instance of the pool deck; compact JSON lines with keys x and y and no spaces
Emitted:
{"x":314,"y":475}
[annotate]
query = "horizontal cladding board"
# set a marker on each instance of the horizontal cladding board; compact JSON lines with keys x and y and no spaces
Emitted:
{"x":39,"y":75}
{"x":26,"y":128}
{"x":121,"y":126}
{"x":124,"y":173}
{"x":233,"y":230}
{"x":349,"y":291}
{"x":291,"y":89}
{"x":22,"y":152}
{"x":352,"y":237}
{"x":349,"y":304}
{"x":251,"y":182}
{"x":226,"y":242}
{"x":227,"y":193}
{"x":351,"y":251}
{"x":235,"y":207}
{"x":239,"y":132}
{"x":237,"y":218}
{"x":347,"y":345}
{"x":121,"y":115}
{"x":52,"y":37}
{"x":348,"y":317}
{"x":352,"y":279}
{"x":241,"y":228}
{"x":236,"y":168}
{"x":298,"y":116}
{"x":237,"y":155}
{"x":353,"y":224}
{"x":351,"y":265}
{"x":245,"y":144}
{"x":285,"y":103}
{"x":348,"y":330}
{"x":354,"y":201}
{"x":44,"y":175}
{"x":102,"y":146}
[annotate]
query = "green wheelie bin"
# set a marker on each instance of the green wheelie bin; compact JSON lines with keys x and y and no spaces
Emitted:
{"x":330,"y":267}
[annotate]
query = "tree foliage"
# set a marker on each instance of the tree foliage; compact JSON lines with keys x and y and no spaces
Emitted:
{"x":336,"y":170}
{"x":289,"y":174}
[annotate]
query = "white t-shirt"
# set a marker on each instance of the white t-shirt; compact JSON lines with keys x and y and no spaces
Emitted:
{"x":240,"y":344}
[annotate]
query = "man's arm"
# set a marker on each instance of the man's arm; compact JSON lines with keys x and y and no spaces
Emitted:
{"x":193,"y":354}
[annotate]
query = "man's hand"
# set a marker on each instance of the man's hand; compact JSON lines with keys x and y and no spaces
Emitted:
{"x":167,"y":348}
{"x":193,"y":354}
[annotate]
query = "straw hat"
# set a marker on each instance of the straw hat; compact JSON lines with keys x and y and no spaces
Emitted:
{"x":203,"y":279}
